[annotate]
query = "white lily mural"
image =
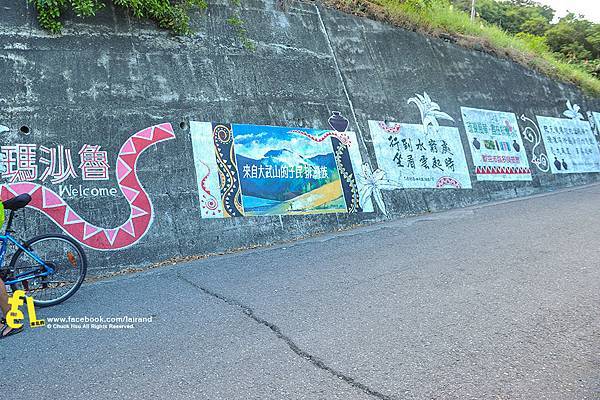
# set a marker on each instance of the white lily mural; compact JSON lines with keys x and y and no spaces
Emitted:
{"x":593,"y":123}
{"x":373,"y":182}
{"x":572,"y":111}
{"x":430,"y":112}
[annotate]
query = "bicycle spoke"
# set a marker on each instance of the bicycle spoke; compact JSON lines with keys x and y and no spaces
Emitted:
{"x":64,"y":258}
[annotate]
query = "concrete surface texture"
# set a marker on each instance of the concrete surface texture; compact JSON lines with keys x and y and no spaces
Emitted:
{"x":491,"y":302}
{"x":108,"y":77}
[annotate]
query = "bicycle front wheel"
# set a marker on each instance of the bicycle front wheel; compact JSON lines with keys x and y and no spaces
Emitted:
{"x":61,"y":253}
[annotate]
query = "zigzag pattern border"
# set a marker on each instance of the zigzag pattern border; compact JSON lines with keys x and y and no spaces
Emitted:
{"x":489,"y":170}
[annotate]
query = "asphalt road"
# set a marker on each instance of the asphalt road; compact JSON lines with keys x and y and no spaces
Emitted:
{"x":494,"y":302}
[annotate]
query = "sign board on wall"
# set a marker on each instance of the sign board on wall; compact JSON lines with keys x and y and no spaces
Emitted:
{"x":418,"y":160}
{"x":247,"y":170}
{"x":496,"y":145}
{"x":570,"y":145}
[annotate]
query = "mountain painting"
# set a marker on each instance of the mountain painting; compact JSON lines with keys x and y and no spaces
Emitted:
{"x":283,"y":172}
{"x":253,"y":170}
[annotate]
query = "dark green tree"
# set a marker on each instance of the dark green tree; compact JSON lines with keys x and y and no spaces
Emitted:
{"x":575,"y":38}
{"x":536,"y":25}
{"x":572,"y":38}
{"x":513,"y":16}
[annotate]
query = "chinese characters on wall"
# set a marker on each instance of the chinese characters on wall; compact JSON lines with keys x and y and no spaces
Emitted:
{"x":29,"y":162}
{"x":419,"y":160}
{"x":247,"y":170}
{"x":570,"y":144}
{"x":284,"y":172}
{"x":496,"y":145}
{"x":25,"y":163}
{"x":251,"y":170}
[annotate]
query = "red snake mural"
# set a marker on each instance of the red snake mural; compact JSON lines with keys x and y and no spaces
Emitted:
{"x":344,"y":138}
{"x":141,"y":215}
{"x":209,"y":202}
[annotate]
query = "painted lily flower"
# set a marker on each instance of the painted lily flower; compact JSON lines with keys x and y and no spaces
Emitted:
{"x":593,"y":123}
{"x":373,"y":182}
{"x":430,"y":111}
{"x":572,"y":111}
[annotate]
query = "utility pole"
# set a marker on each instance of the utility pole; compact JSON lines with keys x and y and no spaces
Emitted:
{"x":472,"y":10}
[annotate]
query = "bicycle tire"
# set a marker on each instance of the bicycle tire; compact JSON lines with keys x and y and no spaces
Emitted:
{"x":82,"y":273}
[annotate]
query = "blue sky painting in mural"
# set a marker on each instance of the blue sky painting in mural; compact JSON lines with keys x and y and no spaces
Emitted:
{"x":282,"y":172}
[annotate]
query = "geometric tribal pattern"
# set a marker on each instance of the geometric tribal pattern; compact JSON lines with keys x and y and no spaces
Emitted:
{"x":141,"y":215}
{"x":484,"y":170}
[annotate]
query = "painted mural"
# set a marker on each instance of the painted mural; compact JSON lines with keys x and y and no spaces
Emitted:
{"x":252,"y":170}
{"x":415,"y":159}
{"x":532,"y":134}
{"x":572,"y":111}
{"x":372,"y":183}
{"x":255,"y":170}
{"x":594,"y":119}
{"x":25,"y":165}
{"x":430,"y":112}
{"x":424,"y":155}
{"x":496,"y":145}
{"x":570,"y":144}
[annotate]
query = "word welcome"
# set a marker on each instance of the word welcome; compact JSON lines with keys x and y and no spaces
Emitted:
{"x":80,"y":191}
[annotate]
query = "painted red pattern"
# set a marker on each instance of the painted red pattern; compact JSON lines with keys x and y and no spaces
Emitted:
{"x":141,"y":215}
{"x":210,"y":204}
{"x":502,"y":170}
{"x":447,"y":181}
{"x":345,"y":139}
{"x":389,"y":129}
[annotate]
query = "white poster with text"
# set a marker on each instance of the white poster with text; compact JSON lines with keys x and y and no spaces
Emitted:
{"x":570,"y":145}
{"x":418,"y":160}
{"x":496,"y":145}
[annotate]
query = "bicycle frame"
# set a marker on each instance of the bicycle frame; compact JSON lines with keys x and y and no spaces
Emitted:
{"x":6,"y":239}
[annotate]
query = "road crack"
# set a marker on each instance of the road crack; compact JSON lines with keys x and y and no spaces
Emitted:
{"x":249,"y":312}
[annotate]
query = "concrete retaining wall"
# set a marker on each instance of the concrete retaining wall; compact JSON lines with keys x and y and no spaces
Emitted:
{"x":106,"y":78}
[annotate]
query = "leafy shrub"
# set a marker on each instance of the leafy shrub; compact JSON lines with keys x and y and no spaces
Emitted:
{"x":168,"y":14}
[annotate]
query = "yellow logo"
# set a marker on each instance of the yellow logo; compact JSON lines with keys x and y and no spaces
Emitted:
{"x":15,"y":316}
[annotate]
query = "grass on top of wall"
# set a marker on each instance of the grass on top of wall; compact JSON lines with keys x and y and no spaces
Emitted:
{"x":439,"y":18}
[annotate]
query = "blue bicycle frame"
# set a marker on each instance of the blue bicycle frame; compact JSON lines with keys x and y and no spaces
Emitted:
{"x":6,"y":239}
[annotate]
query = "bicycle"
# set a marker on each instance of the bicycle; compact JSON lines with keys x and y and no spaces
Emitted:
{"x":50,"y":267}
